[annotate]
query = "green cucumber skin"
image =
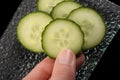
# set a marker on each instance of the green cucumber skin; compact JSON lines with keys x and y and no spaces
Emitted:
{"x":84,"y":49}
{"x":49,"y":54}
{"x":17,"y":31}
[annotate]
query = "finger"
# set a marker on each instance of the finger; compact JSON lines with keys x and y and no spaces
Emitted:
{"x":65,"y":66}
{"x":80,"y":60}
{"x":42,"y":71}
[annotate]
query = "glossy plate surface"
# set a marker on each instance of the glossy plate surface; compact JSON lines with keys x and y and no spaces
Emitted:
{"x":16,"y":61}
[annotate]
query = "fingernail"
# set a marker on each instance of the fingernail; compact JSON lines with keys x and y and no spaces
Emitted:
{"x":66,"y":57}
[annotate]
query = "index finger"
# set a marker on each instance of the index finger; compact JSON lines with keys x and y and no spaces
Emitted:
{"x":42,"y":71}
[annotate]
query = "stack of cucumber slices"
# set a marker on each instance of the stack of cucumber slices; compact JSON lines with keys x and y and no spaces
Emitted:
{"x":58,"y":25}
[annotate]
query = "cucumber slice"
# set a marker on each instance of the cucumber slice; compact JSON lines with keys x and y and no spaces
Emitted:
{"x":47,"y":5}
{"x":63,"y":9}
{"x":92,"y":25}
{"x":30,"y":28}
{"x":62,"y":34}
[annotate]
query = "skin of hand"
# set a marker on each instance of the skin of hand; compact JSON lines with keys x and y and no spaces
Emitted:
{"x":63,"y":68}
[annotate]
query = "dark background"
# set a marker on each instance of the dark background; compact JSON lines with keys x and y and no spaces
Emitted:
{"x":107,"y":68}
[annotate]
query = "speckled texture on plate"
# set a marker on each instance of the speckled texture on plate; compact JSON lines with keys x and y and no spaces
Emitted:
{"x":16,"y":62}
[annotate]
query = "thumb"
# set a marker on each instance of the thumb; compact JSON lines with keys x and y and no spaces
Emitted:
{"x":65,"y":66}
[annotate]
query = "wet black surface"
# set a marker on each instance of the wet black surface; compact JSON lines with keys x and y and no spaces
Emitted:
{"x":106,"y":68}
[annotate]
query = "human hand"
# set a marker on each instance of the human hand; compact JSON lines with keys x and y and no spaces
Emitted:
{"x":63,"y":68}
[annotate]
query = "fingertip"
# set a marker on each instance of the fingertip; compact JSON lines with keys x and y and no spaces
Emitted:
{"x":80,"y":60}
{"x":66,"y":57}
{"x":65,"y":66}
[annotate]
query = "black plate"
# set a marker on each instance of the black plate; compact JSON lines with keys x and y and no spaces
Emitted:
{"x":16,"y":62}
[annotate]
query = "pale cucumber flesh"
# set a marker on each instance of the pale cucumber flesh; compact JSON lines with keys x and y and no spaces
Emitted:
{"x":62,"y":34}
{"x":47,"y":5}
{"x":30,"y":28}
{"x":63,"y":9}
{"x":92,"y":25}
